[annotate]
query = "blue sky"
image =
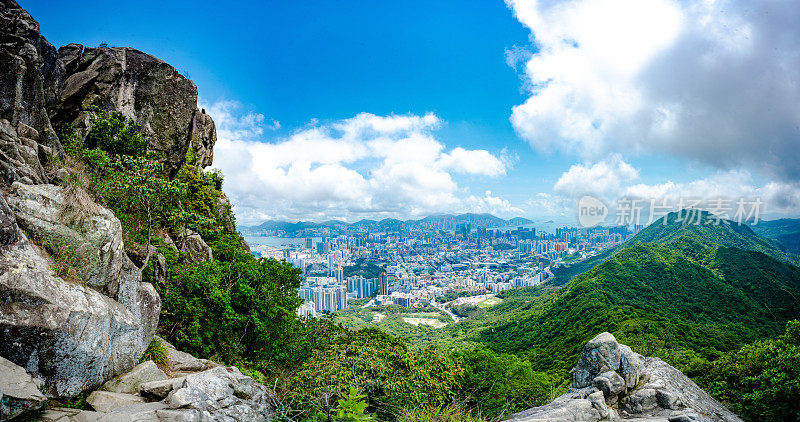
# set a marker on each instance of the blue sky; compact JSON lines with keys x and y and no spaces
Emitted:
{"x":612,"y":100}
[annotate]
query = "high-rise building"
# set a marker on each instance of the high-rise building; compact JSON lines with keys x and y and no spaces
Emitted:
{"x":384,"y":284}
{"x":309,"y":243}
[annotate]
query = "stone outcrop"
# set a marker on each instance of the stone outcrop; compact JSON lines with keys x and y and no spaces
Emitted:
{"x":42,"y":88}
{"x":27,"y":137}
{"x":74,"y":311}
{"x":216,"y":394}
{"x":613,"y":383}
{"x":204,"y":136}
{"x":70,"y":335}
{"x":195,"y":247}
{"x":138,"y":85}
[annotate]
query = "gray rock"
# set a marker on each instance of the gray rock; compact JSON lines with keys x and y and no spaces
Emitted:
{"x":195,"y":247}
{"x":106,"y":401}
{"x":62,"y":218}
{"x":611,"y":384}
{"x":160,"y":389}
{"x":69,"y":335}
{"x":186,"y":415}
{"x":225,"y":394}
{"x":603,"y":354}
{"x":135,"y":84}
{"x":609,"y":374}
{"x":203,"y":138}
{"x":29,"y":63}
{"x":181,"y":361}
{"x":640,"y":401}
{"x":134,"y":412}
{"x":69,"y":415}
{"x":19,"y":393}
{"x":130,"y":382}
{"x":566,"y":408}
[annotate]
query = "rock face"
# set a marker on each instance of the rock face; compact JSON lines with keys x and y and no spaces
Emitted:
{"x":612,"y":383}
{"x":56,"y":218}
{"x":136,"y":84}
{"x":195,"y":247}
{"x":70,"y":335}
{"x":129,"y":383}
{"x":19,"y":393}
{"x":204,"y":136}
{"x":42,"y":88}
{"x":27,"y":137}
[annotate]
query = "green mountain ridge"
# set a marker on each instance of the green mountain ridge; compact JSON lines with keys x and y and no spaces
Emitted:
{"x":693,"y":238}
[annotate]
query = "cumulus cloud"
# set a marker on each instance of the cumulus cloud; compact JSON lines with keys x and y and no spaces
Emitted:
{"x":603,"y":178}
{"x":714,"y":81}
{"x":367,"y":166}
{"x":614,"y":181}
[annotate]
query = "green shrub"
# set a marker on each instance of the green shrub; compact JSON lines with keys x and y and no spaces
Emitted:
{"x":156,"y":352}
{"x":115,"y":133}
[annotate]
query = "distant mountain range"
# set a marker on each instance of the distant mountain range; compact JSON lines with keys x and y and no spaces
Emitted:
{"x":439,"y":221}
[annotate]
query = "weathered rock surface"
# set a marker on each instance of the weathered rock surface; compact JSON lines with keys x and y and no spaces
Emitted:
{"x":56,"y":218}
{"x":181,"y":361}
{"x":195,"y":247}
{"x":69,"y":335}
{"x":106,"y":401}
{"x":41,"y":87}
{"x":129,"y":383}
{"x":217,"y":394}
{"x":138,"y":85}
{"x":19,"y":393}
{"x":611,"y":383}
{"x":27,"y":137}
{"x":204,"y":136}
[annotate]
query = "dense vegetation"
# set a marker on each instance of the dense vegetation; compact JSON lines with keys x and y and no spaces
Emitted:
{"x":785,"y":231}
{"x":711,"y":299}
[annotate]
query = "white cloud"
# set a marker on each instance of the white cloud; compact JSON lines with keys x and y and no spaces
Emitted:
{"x":612,"y":180}
{"x":714,"y":81}
{"x":367,"y":166}
{"x":603,"y":178}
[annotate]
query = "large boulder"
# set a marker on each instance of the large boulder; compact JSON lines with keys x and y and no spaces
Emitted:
{"x":19,"y":393}
{"x":611,"y":382}
{"x":195,"y":247}
{"x":203,"y":138}
{"x":68,"y":219}
{"x":29,"y":62}
{"x":138,"y":85}
{"x":67,"y":334}
{"x":225,"y":394}
{"x":129,"y":383}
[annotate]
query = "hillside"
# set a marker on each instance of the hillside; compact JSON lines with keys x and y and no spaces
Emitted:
{"x":658,"y":299}
{"x":785,"y":231}
{"x":694,"y":240}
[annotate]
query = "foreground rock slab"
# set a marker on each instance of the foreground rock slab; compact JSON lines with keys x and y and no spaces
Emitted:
{"x":19,"y":393}
{"x":613,"y":383}
{"x":141,"y":374}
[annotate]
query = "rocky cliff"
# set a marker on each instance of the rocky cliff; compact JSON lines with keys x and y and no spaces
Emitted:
{"x":63,"y":334}
{"x":613,"y":383}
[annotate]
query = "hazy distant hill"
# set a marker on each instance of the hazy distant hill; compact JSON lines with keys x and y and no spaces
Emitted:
{"x":439,"y":221}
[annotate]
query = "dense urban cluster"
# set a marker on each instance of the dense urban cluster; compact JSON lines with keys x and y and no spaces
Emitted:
{"x":413,"y":265}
